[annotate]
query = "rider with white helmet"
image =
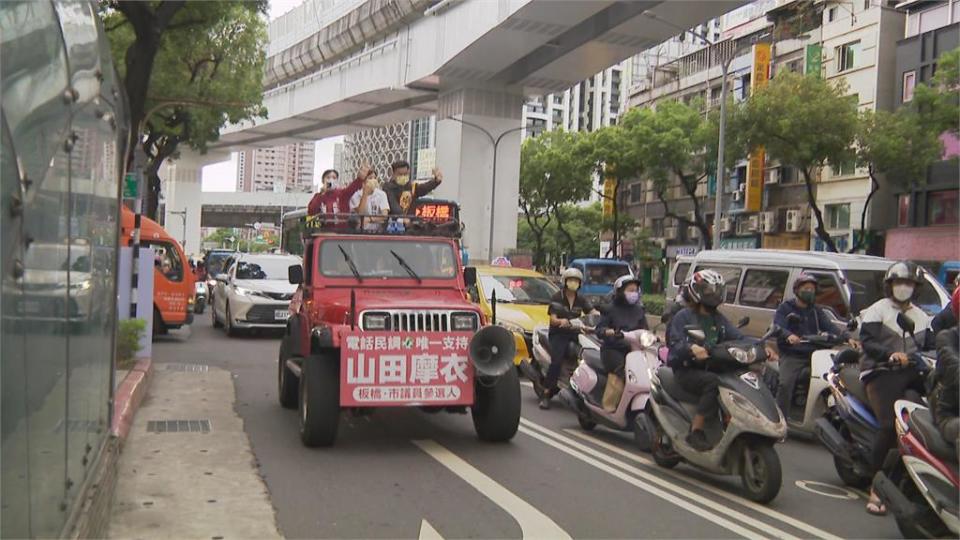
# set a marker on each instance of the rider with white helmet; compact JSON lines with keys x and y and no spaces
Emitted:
{"x":565,"y":306}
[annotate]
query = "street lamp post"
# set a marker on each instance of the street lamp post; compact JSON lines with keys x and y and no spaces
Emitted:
{"x":183,"y":216}
{"x":493,"y":188}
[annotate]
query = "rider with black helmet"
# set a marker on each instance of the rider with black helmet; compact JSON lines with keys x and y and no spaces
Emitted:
{"x":885,"y":368}
{"x":809,"y":319}
{"x":624,"y":314}
{"x":704,"y":295}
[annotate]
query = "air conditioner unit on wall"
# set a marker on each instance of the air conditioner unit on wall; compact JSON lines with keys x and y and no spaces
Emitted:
{"x":794,"y":221}
{"x":768,"y":222}
{"x":748,"y":225}
{"x":726,"y":225}
{"x":693,"y":233}
{"x":738,"y":196}
{"x":773,"y":176}
{"x":670,"y":233}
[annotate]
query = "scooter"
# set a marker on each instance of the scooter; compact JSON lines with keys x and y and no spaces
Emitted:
{"x":584,"y":396}
{"x":536,"y":368}
{"x":849,"y":427}
{"x":743,"y":440}
{"x":921,"y":490}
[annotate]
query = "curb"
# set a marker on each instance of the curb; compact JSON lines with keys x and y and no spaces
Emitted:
{"x":128,"y":397}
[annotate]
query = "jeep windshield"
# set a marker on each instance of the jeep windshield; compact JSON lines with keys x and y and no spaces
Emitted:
{"x":384,"y":259}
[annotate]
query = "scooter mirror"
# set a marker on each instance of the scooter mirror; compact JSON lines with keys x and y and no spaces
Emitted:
{"x":852,"y":325}
{"x":743,"y":322}
{"x":905,"y":323}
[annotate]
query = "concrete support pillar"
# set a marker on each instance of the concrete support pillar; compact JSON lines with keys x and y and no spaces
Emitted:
{"x":470,"y":121}
{"x":182,"y":185}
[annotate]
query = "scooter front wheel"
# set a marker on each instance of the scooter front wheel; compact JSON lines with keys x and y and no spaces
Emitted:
{"x":760,"y":472}
{"x":585,"y":422}
{"x":663,"y":455}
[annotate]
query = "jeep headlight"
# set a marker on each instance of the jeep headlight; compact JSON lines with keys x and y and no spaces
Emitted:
{"x":463,"y":322}
{"x":376,"y":321}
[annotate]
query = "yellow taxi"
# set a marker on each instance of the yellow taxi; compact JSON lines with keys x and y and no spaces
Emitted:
{"x":522,"y":300}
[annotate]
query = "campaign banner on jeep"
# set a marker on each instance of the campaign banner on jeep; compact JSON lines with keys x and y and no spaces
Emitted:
{"x":405,"y":369}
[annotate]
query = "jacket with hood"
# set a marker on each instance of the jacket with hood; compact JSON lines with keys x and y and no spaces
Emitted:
{"x":882,"y":336}
{"x":623,"y":317}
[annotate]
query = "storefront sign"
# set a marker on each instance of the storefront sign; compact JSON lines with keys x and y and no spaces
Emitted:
{"x":609,"y":187}
{"x":674,"y":251}
{"x":814,"y":60}
{"x":753,"y":201}
{"x":761,"y":66}
{"x":393,"y":368}
{"x":799,"y":242}
{"x":740,"y":242}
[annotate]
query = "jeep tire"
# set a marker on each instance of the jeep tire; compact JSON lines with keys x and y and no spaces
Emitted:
{"x":496,"y":408}
{"x":319,"y":400}
{"x":287,"y":389}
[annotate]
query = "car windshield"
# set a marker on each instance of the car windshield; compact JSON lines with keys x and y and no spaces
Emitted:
{"x":215,"y":262}
{"x":866,"y":287}
{"x":605,"y":274}
{"x":263,"y":268}
{"x":519,"y":289}
{"x":55,"y":257}
{"x":381,"y":259}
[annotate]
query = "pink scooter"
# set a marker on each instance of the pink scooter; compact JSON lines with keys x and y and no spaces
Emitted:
{"x":585,"y":394}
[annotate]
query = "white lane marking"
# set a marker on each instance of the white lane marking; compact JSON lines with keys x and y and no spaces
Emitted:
{"x":533,"y":523}
{"x":427,"y":532}
{"x":793,"y":522}
{"x":650,"y":477}
{"x":686,"y":505}
{"x":821,"y":488}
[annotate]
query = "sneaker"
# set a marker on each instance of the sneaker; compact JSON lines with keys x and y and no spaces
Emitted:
{"x":545,"y":403}
{"x":698,"y":441}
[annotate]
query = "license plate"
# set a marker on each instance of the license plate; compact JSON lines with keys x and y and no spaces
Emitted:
{"x":281,"y":314}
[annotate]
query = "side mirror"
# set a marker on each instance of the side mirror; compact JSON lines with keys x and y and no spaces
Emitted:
{"x":905,"y":323}
{"x":295,"y":274}
{"x":470,"y":276}
{"x":743,"y":322}
{"x":222,"y":278}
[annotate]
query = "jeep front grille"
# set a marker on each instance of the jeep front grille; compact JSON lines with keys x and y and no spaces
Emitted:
{"x":402,"y":320}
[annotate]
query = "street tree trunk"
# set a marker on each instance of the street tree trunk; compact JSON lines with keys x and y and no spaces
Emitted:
{"x":874,"y":187}
{"x":820,"y":229}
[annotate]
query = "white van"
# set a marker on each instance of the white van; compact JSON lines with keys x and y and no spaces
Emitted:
{"x":758,"y":280}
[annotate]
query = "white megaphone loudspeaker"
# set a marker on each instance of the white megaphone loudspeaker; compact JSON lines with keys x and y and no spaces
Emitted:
{"x":492,"y":350}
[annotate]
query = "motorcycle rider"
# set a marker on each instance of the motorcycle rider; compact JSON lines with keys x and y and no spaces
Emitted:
{"x":565,"y":306}
{"x":945,"y":398}
{"x":624,"y":314}
{"x":705,"y":293}
{"x":810,"y":319}
{"x":885,"y":367}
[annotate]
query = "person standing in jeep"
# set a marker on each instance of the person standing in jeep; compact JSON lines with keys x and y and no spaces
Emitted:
{"x":334,"y":200}
{"x":401,"y":192}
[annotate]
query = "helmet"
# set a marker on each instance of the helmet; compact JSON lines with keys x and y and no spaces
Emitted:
{"x":571,"y":273}
{"x":623,"y":281}
{"x":955,"y":303}
{"x":903,"y":270}
{"x":804,"y":278}
{"x":707,"y":287}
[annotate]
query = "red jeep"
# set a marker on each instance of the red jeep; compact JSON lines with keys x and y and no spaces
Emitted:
{"x":382,"y":319}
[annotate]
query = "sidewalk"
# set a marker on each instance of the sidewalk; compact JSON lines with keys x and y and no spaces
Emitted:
{"x":186,"y":482}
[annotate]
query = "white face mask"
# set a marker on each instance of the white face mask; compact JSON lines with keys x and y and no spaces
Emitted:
{"x":902,"y":293}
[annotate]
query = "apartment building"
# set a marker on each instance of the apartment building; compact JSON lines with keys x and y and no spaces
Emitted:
{"x":926,"y":210}
{"x":282,"y":169}
{"x":853,"y":41}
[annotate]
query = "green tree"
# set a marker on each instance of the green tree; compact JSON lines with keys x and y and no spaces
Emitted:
{"x":676,"y":141}
{"x":221,"y":237}
{"x":551,"y":175}
{"x":901,"y":145}
{"x":614,"y":153}
{"x":938,"y":103}
{"x":196,"y":65}
{"x":804,"y":122}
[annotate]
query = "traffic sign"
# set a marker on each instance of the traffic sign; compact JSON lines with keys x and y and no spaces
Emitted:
{"x":130,"y":186}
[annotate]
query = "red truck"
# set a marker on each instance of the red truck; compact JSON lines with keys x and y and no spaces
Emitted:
{"x":382,"y":319}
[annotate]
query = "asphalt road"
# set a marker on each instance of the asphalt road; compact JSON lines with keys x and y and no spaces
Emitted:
{"x":407,"y":474}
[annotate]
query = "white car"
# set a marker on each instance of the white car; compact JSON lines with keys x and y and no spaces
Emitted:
{"x":254,"y":292}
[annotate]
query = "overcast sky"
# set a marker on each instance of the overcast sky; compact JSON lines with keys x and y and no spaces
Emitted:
{"x":223,"y":176}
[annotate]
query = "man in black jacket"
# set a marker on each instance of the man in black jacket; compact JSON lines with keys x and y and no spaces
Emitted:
{"x":402,"y":192}
{"x":705,"y":293}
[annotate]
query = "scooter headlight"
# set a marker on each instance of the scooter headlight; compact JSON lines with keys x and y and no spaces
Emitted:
{"x":743,"y":356}
{"x":647,"y":339}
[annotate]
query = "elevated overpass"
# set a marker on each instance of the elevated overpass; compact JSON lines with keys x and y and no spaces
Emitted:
{"x":471,"y":62}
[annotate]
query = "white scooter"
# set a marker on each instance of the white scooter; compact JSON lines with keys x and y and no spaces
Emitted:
{"x":585,"y":393}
